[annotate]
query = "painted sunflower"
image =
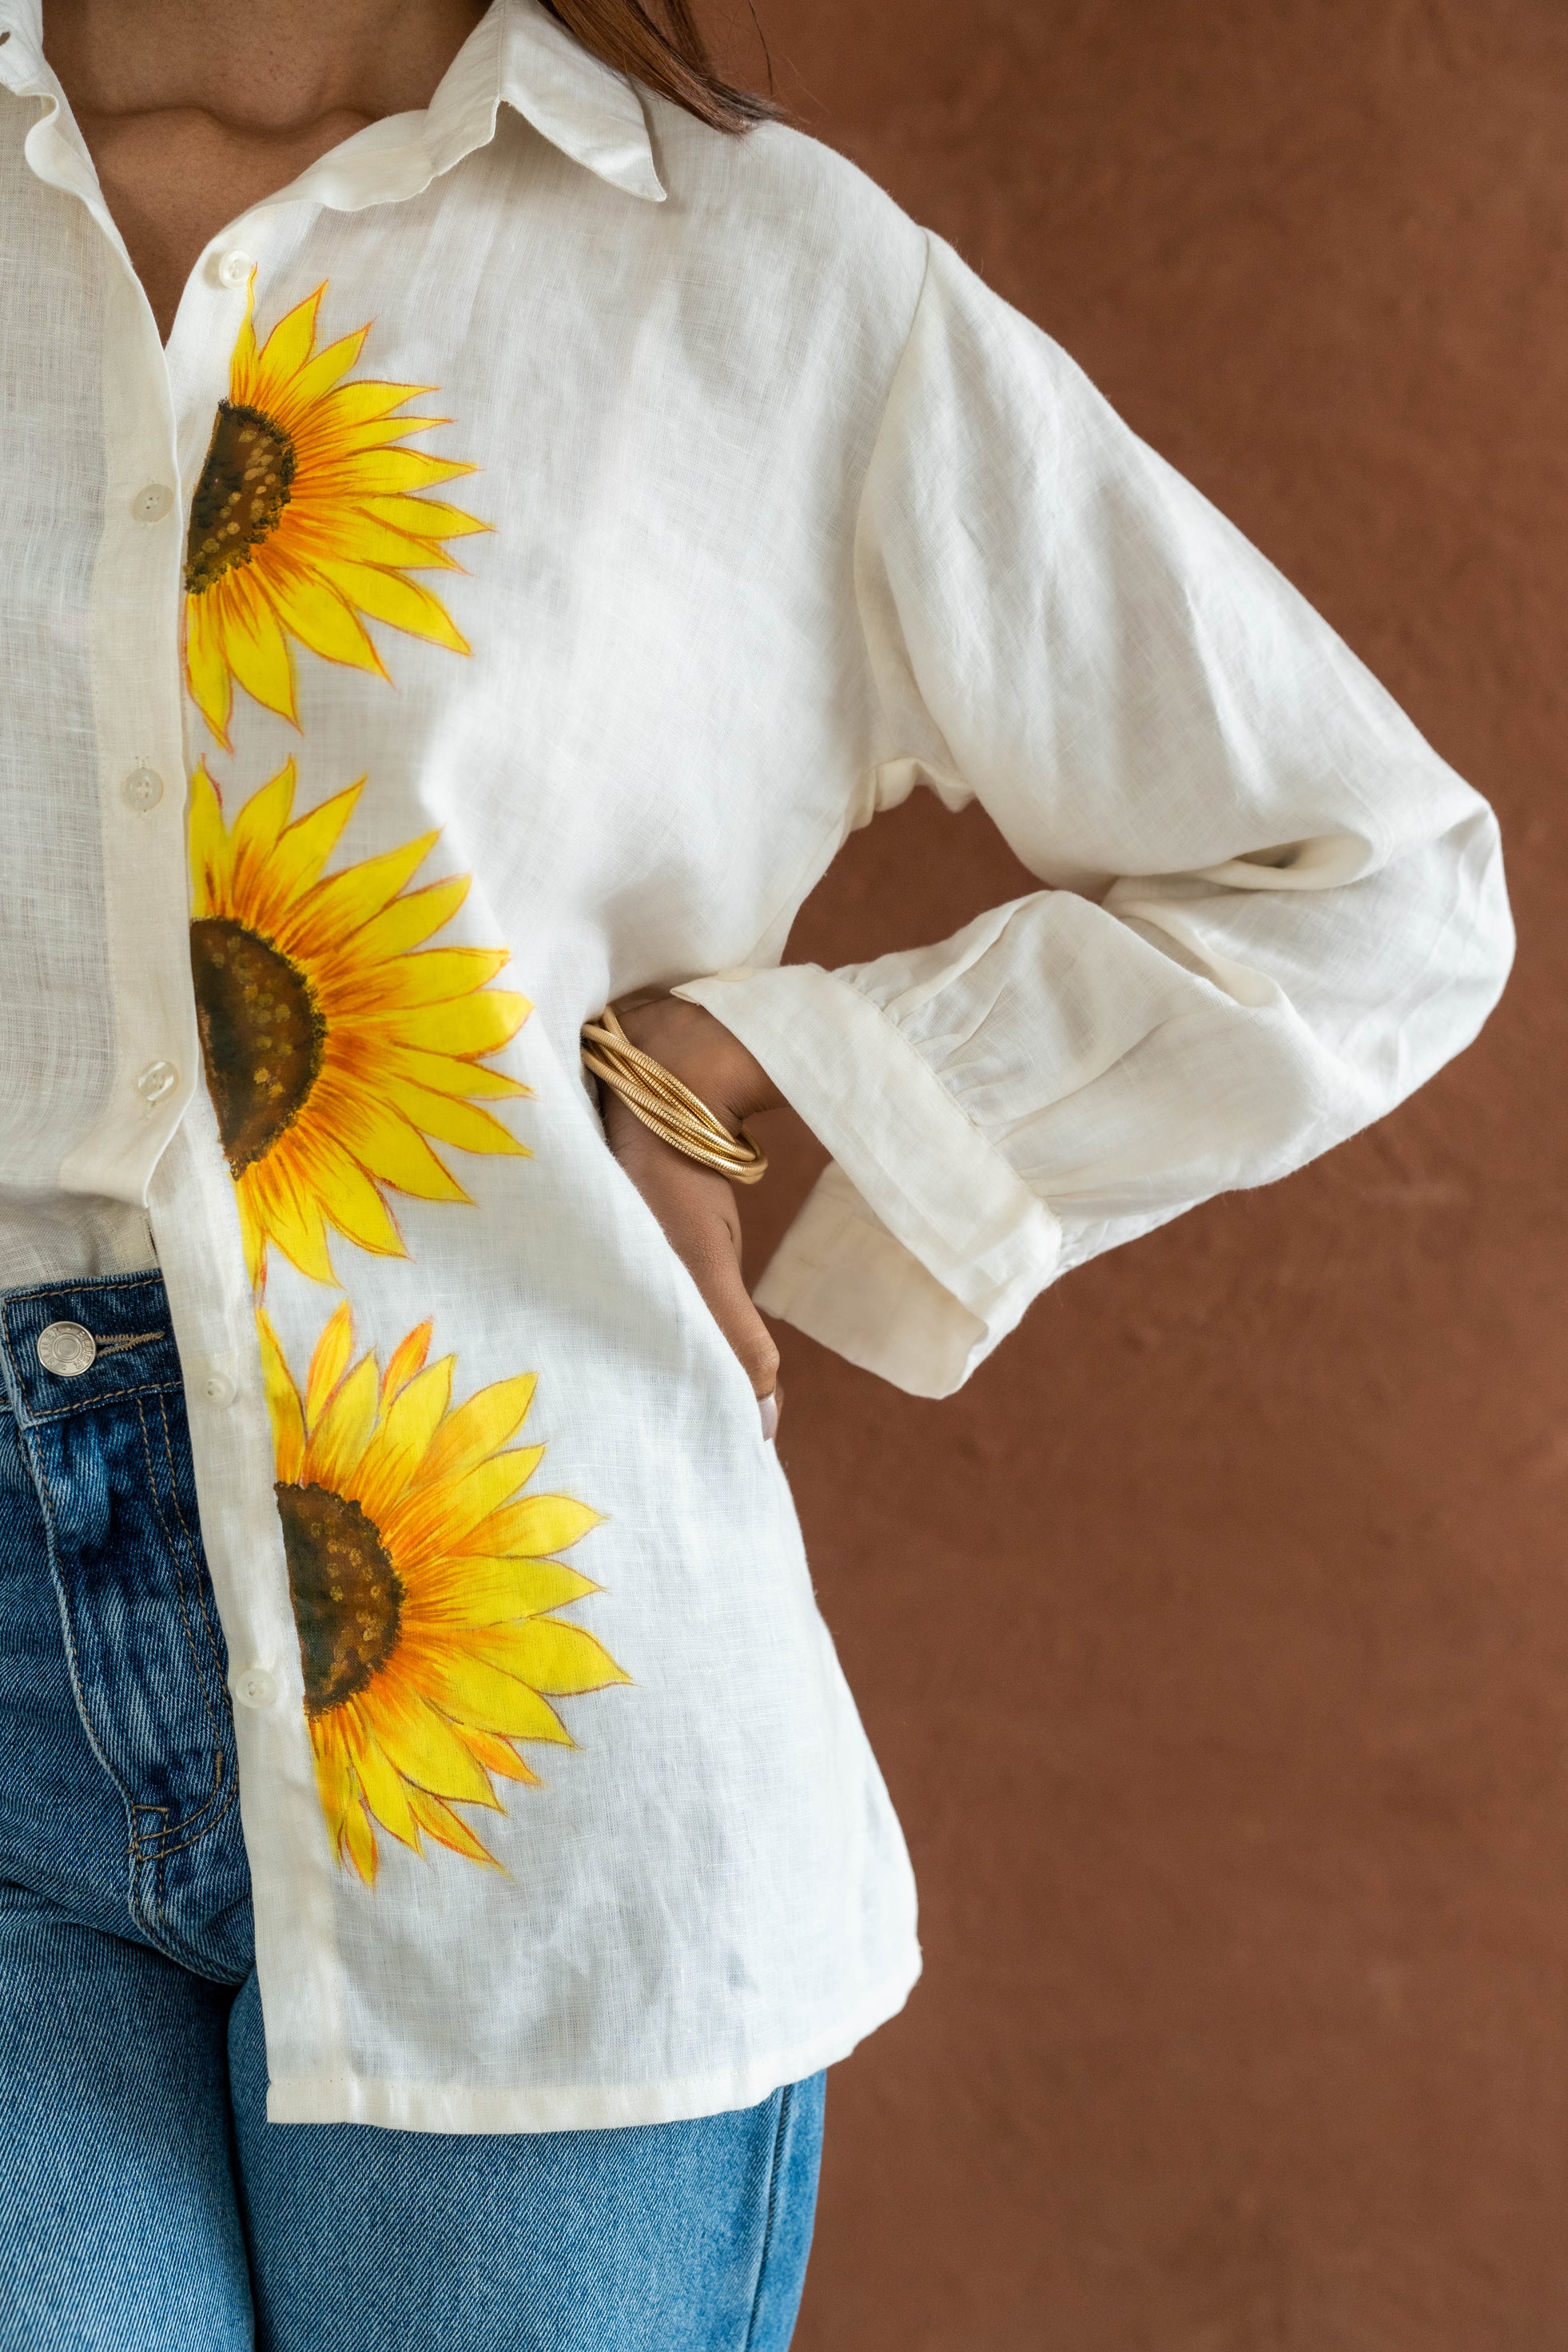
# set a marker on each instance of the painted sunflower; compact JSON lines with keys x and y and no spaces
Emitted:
{"x":307,"y":520}
{"x":338,"y":1047}
{"x":423,"y":1585}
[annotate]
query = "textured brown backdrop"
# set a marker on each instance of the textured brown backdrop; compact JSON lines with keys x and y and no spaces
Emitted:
{"x":1213,"y":1640}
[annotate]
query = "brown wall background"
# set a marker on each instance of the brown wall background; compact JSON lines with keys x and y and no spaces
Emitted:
{"x":1213,"y":1640}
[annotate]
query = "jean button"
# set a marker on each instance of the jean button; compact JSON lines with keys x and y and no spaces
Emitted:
{"x":254,"y":1687}
{"x":67,"y":1349}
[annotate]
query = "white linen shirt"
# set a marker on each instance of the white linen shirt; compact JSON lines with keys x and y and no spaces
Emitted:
{"x":682,"y":506}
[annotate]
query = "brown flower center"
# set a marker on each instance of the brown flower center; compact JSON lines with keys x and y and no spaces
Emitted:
{"x":262,"y":1032}
{"x":239,"y":500}
{"x":348,"y":1599}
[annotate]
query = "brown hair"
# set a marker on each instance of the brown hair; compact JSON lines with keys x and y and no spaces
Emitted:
{"x":670,"y":56}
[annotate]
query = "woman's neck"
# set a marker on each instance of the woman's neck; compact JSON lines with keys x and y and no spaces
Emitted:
{"x":196,"y":110}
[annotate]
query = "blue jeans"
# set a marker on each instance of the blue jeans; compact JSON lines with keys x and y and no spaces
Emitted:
{"x":146,"y":2204}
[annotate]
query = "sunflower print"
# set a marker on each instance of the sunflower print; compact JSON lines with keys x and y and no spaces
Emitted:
{"x":308,"y":521}
{"x":424,"y":1585}
{"x":339,"y":1048}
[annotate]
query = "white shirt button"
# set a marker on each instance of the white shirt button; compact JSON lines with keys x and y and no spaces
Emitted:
{"x":216,"y":1386}
{"x":158,"y":1079}
{"x":235,"y":268}
{"x":142,"y":789}
{"x":67,"y":1349}
{"x":254,"y":1687}
{"x":153,"y":503}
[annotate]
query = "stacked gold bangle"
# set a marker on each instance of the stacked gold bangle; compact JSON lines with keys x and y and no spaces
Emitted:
{"x":657,"y":1097}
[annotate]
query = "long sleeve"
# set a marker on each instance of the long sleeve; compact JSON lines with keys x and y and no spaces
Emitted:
{"x":1271,"y":910}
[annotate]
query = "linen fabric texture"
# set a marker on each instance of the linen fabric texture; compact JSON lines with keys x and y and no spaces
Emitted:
{"x":743,"y":509}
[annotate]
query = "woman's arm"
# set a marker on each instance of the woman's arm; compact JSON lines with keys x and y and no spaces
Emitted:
{"x":696,"y":1206}
{"x":1273,"y":909}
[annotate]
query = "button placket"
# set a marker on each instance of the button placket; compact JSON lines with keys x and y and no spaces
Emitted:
{"x":136,"y":609}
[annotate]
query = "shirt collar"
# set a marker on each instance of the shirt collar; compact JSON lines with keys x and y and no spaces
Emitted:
{"x":518,"y":53}
{"x":588,"y":111}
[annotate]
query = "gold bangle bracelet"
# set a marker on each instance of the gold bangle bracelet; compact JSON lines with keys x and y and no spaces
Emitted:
{"x":668,"y":1109}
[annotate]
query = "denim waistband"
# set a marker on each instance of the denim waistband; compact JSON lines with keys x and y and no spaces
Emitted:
{"x":74,"y":1346}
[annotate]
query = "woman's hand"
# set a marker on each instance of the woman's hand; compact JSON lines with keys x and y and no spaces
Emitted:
{"x":696,"y":1206}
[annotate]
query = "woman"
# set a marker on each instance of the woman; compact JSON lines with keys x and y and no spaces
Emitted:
{"x":483,"y":523}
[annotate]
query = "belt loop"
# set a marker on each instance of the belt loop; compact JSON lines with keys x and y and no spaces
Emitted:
{"x":9,"y":1380}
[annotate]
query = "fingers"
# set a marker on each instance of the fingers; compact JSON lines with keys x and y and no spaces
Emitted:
{"x":697,"y":1210}
{"x":729,"y":1304}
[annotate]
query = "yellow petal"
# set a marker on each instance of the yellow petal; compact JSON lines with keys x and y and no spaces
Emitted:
{"x":383,"y":1792}
{"x":471,"y":1690}
{"x":328,"y":535}
{"x":335,"y":1781}
{"x":209,"y":845}
{"x":338,"y":1438}
{"x":437,"y":1821}
{"x":359,"y":1840}
{"x":478,"y":1428}
{"x":393,"y":472}
{"x":242,"y":364}
{"x":533,"y":1526}
{"x":399,"y":1446}
{"x":443,"y":1513}
{"x":410,"y":920}
{"x":253,"y":1242}
{"x":474,"y":1025}
{"x":351,"y":1201}
{"x":254,"y":644}
{"x":422,"y":519}
{"x":305,"y":847}
{"x":300,"y":402}
{"x":260,"y":821}
{"x":406,"y":1358}
{"x":283,"y":1409}
{"x":488,"y":1538}
{"x":491,"y":1591}
{"x":388,"y":1149}
{"x":329,"y":1361}
{"x":344,"y":902}
{"x":478,"y":1541}
{"x":283,"y":1209}
{"x":469,"y":1129}
{"x":313,"y":607}
{"x":446,"y":1075}
{"x":562,"y":1659}
{"x":403,"y":604}
{"x":285,"y":349}
{"x":498,"y":1755}
{"x":206,"y":664}
{"x":355,"y":408}
{"x":423,"y":1746}
{"x":438,"y":974}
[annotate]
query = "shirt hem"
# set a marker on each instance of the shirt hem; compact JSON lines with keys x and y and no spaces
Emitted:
{"x":333,"y":2098}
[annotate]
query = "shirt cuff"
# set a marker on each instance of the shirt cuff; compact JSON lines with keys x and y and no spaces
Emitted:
{"x":922,"y":1248}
